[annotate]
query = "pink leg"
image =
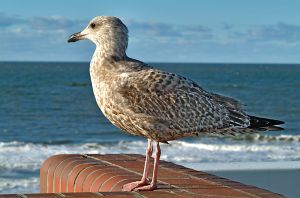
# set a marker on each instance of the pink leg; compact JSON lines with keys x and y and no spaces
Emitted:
{"x":131,"y":186}
{"x":153,"y":184}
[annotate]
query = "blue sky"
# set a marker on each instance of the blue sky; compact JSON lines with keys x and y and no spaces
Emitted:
{"x":160,"y":31}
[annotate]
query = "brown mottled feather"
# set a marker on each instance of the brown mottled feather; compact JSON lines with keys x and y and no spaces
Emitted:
{"x":155,"y":104}
{"x":163,"y":106}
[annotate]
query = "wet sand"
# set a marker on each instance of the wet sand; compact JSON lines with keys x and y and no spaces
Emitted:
{"x":285,"y":182}
{"x":278,"y":177}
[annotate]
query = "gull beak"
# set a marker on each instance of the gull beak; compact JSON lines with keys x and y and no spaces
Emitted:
{"x":76,"y":37}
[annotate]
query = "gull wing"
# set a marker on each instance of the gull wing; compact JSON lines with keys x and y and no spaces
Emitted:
{"x":174,"y":103}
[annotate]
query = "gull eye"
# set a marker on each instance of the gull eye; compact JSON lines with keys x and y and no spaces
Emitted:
{"x":93,"y":25}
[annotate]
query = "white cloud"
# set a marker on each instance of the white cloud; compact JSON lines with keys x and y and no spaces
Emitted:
{"x":44,"y":38}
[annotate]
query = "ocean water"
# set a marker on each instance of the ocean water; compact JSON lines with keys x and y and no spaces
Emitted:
{"x":49,"y":108}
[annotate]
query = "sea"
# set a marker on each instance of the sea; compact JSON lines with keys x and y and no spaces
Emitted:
{"x":48,"y":108}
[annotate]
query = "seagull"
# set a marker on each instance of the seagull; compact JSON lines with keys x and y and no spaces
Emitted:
{"x":155,"y":104}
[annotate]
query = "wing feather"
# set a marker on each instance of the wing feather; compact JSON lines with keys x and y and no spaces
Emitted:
{"x":179,"y":104}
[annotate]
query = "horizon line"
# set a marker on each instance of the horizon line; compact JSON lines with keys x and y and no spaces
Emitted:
{"x":154,"y":62}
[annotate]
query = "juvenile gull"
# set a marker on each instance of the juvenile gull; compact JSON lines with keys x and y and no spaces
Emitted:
{"x":157,"y":105}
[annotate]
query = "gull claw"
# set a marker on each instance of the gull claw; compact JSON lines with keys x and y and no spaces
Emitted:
{"x":133,"y":185}
{"x":149,"y":187}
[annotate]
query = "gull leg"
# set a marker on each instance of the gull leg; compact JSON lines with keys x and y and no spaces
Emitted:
{"x":131,"y":186}
{"x":153,"y":184}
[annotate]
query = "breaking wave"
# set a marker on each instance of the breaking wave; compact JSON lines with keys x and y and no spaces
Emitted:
{"x":22,"y":158}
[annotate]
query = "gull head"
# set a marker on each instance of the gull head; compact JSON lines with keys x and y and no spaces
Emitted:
{"x":108,"y":33}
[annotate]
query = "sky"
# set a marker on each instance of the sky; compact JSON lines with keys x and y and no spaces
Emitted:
{"x":231,"y":31}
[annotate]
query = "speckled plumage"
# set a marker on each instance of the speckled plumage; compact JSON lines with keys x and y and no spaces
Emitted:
{"x":151,"y":103}
{"x":157,"y":105}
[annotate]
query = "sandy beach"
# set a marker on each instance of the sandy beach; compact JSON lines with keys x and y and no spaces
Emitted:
{"x":279,"y":177}
{"x":285,"y":182}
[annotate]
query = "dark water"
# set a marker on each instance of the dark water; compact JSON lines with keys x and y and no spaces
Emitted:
{"x":49,"y":108}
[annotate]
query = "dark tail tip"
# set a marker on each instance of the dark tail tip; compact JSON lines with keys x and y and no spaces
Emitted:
{"x":257,"y":122}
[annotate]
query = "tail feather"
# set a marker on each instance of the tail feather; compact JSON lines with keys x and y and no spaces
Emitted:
{"x":273,"y":128}
{"x":264,"y":123}
{"x":257,"y":125}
